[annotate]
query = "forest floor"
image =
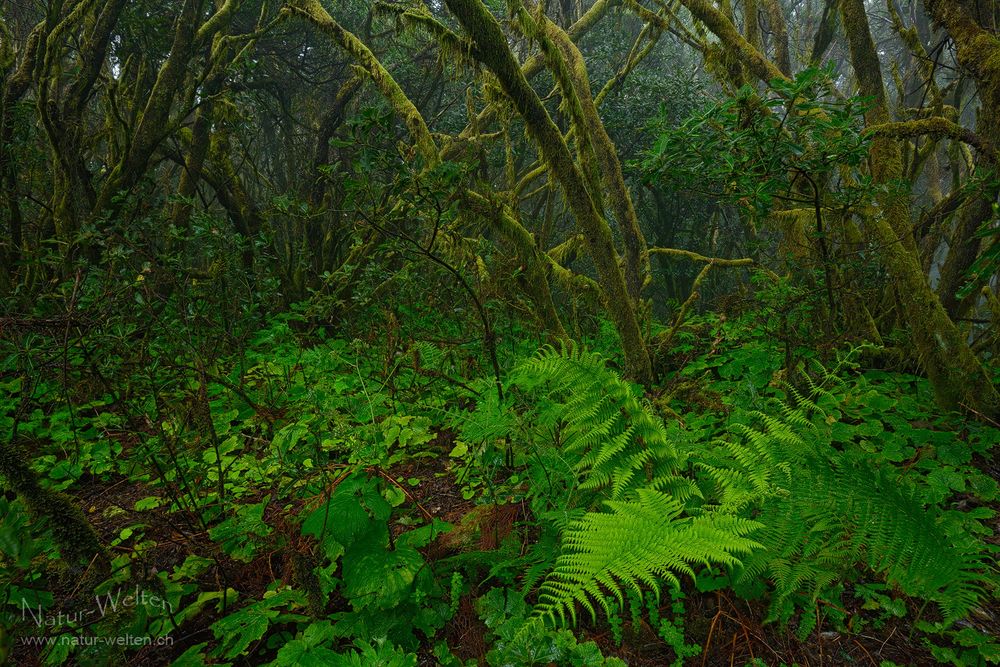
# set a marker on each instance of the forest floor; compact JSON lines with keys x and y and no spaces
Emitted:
{"x":730,"y":630}
{"x":153,"y":535}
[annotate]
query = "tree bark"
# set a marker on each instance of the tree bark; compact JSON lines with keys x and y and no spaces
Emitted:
{"x":490,"y":48}
{"x":618,"y":197}
{"x":959,"y":380}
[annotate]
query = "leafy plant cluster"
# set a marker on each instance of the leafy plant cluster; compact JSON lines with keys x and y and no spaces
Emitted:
{"x":795,"y":495}
{"x":762,"y":148}
{"x":291,"y":479}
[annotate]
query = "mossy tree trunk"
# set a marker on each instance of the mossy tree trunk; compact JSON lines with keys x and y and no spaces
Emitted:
{"x":779,"y":35}
{"x":15,"y":78}
{"x":618,"y":198}
{"x":154,"y":121}
{"x":958,"y":378}
{"x":977,"y":48}
{"x":536,"y":266}
{"x":490,"y":47}
{"x":62,"y":107}
{"x":218,"y":57}
{"x":78,"y":543}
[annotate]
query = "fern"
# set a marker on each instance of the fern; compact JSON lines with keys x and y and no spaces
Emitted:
{"x":826,"y":511}
{"x":620,"y":451}
{"x":491,"y":420}
{"x":602,"y":420}
{"x":638,"y":544}
{"x":819,"y":512}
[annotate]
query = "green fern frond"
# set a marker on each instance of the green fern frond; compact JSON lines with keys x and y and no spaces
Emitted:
{"x":605,"y":422}
{"x":638,"y":544}
{"x":826,"y":511}
{"x":491,"y":420}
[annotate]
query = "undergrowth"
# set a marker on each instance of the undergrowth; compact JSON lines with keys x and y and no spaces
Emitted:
{"x":277,"y":509}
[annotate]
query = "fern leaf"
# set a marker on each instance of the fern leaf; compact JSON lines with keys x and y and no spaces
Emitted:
{"x":638,"y":544}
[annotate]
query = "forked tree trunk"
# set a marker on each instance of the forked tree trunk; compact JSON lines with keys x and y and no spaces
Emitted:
{"x":490,"y":47}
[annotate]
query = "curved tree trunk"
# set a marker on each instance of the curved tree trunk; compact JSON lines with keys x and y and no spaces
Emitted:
{"x":490,"y":48}
{"x":618,"y":198}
